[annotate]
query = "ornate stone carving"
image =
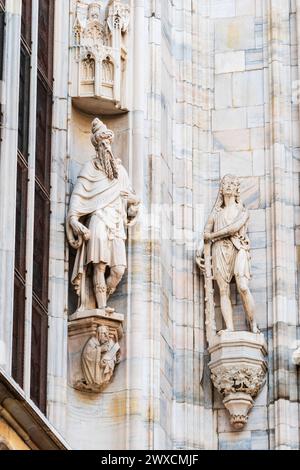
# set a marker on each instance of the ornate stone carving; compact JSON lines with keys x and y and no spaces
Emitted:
{"x":233,"y":380}
{"x":118,"y":16}
{"x":99,"y":357}
{"x":102,"y":37}
{"x":102,"y":205}
{"x":94,"y":350}
{"x":238,"y":371}
{"x":94,"y":31}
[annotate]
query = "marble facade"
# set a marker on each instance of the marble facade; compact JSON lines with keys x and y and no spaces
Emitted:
{"x":211,"y":88}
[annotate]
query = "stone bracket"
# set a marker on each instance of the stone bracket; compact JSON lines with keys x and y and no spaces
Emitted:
{"x":238,"y":371}
{"x":93,"y":349}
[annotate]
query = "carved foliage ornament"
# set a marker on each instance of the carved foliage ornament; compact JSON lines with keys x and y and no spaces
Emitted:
{"x":248,"y":380}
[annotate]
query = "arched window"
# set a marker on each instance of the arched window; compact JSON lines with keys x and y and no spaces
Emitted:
{"x":88,"y":69}
{"x":107,"y":71}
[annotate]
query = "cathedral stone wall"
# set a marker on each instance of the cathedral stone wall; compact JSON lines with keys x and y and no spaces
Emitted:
{"x":207,"y":88}
{"x":212,"y":91}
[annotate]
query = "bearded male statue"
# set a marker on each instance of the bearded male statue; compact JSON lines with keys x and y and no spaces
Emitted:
{"x":99,"y":357}
{"x":102,"y":205}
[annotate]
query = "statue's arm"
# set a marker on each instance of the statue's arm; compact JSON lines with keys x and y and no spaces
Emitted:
{"x":129,"y":196}
{"x":209,"y":227}
{"x":127,"y":192}
{"x":231,"y":229}
{"x":208,"y":230}
{"x":73,"y":226}
{"x":77,"y":227}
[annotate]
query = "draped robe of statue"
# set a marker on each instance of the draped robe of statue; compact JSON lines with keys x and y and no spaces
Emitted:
{"x":98,"y":362}
{"x":231,"y":256}
{"x":224,"y":254}
{"x":97,"y":202}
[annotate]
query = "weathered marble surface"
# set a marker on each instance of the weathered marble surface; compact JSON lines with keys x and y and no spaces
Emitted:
{"x":94,"y":349}
{"x":207,"y":96}
{"x":102,"y":206}
{"x":238,"y":371}
{"x":201,"y":108}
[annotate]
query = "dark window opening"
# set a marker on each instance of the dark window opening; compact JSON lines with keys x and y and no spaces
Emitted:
{"x":21,"y":197}
{"x":42,"y":204}
{"x":24,"y":100}
{"x":38,"y":383}
{"x":26,"y":22}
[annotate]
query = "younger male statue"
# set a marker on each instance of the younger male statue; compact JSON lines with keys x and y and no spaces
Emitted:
{"x":101,"y":206}
{"x":226,"y":230}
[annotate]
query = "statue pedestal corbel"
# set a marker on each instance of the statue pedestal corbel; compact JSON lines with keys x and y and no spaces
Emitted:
{"x":238,"y":371}
{"x":92,"y":362}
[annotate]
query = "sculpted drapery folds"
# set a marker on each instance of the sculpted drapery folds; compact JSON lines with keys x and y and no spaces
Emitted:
{"x":226,"y":241}
{"x":102,"y":205}
{"x":99,"y":358}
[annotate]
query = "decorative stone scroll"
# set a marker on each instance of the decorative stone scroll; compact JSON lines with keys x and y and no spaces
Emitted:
{"x":99,"y":65}
{"x":238,"y":364}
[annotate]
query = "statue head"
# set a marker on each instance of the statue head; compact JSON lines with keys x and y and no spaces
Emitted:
{"x":100,"y":133}
{"x":102,"y":138}
{"x":103,"y":334}
{"x":230,"y":186}
{"x":94,"y":11}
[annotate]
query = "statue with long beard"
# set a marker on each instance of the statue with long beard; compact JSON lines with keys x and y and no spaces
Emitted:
{"x":102,"y":205}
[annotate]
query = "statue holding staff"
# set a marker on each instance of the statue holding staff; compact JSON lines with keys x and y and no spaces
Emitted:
{"x":227,"y":246}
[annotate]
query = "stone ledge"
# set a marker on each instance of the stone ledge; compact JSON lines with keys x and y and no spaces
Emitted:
{"x":23,"y":416}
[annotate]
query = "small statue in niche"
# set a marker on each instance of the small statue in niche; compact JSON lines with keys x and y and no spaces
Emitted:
{"x":99,"y":358}
{"x":94,"y":12}
{"x":102,"y":205}
{"x":227,"y":244}
{"x":95,"y":30}
{"x":88,"y":69}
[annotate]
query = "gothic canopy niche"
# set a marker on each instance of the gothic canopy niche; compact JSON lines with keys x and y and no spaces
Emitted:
{"x":99,"y":59}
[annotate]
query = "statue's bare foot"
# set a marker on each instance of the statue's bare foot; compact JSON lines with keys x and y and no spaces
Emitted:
{"x":227,"y":330}
{"x":255,"y":329}
{"x":109,"y":310}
